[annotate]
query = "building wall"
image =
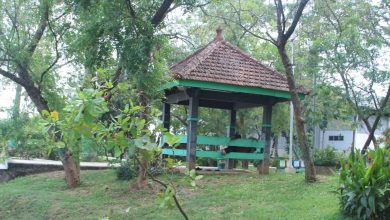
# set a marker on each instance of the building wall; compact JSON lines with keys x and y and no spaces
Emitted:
{"x":383,"y":124}
{"x":322,"y":138}
{"x":344,"y":144}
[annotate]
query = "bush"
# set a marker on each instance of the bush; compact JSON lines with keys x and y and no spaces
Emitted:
{"x":325,"y":157}
{"x":365,"y":185}
{"x":126,"y":171}
{"x":25,"y":137}
{"x":3,"y":153}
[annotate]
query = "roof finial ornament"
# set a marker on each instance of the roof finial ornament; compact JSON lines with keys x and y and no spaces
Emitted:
{"x":219,"y":34}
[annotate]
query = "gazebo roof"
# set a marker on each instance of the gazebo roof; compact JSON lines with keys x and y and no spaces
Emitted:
{"x":221,"y":62}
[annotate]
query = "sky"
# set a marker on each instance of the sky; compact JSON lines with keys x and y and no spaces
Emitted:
{"x":7,"y":93}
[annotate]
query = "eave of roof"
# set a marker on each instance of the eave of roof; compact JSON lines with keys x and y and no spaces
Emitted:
{"x":229,"y":88}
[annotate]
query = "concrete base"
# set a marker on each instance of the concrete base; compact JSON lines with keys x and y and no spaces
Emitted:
{"x":4,"y":166}
{"x":290,"y":170}
{"x":272,"y":169}
{"x":18,"y":167}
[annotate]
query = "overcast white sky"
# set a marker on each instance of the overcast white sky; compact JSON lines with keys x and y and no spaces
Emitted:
{"x":6,"y":97}
{"x":7,"y":92}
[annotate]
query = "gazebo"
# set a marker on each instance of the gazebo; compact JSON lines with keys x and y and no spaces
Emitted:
{"x":222,"y":76}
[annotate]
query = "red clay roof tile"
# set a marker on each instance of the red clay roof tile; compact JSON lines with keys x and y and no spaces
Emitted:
{"x":221,"y":62}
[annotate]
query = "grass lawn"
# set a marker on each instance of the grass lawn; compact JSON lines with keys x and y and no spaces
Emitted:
{"x":240,"y":196}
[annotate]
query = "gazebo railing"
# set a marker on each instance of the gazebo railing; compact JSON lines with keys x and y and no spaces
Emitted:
{"x":220,"y":141}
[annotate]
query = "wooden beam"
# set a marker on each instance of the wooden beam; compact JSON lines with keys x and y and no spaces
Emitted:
{"x":231,"y":132}
{"x":166,"y":117}
{"x":263,"y":168}
{"x":230,"y":88}
{"x":214,"y":154}
{"x":210,"y":104}
{"x":192,"y":127}
{"x":177,"y":97}
{"x":234,"y":97}
{"x":209,"y":140}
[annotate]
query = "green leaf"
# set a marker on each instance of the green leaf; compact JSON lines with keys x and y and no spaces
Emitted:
{"x":371,"y":202}
{"x":192,"y":173}
{"x":198,"y":177}
{"x":60,"y":144}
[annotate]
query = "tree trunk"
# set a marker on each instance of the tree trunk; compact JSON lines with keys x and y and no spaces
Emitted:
{"x":72,"y":171}
{"x":371,"y":136}
{"x":310,"y":175}
{"x":36,"y":97}
{"x":142,"y":178}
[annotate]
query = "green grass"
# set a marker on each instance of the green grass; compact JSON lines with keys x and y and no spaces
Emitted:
{"x":243,"y":196}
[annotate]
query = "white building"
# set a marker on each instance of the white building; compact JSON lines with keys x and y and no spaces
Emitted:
{"x":340,"y":135}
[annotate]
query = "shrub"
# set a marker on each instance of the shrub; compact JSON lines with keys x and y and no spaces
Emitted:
{"x":126,"y":171}
{"x":3,"y":153}
{"x":275,"y":162}
{"x":25,"y":137}
{"x":325,"y":157}
{"x":365,"y":185}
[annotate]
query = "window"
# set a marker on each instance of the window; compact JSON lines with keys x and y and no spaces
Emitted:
{"x":336,"y":137}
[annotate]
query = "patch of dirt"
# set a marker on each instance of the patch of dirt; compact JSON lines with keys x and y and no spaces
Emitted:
{"x":78,"y":191}
{"x":51,"y":174}
{"x":322,"y":179}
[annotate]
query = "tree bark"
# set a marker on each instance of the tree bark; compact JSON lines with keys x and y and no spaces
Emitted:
{"x":143,"y":166}
{"x":284,"y":34}
{"x":72,"y":171}
{"x":142,"y":180}
{"x":371,"y":136}
{"x":310,"y":174}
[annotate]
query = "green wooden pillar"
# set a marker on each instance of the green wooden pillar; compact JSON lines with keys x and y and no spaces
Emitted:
{"x":231,"y":131}
{"x":266,"y":130}
{"x":192,"y":119}
{"x":166,"y":117}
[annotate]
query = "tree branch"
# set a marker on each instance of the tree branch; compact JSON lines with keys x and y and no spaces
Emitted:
{"x":165,"y":186}
{"x":130,"y":9}
{"x":161,"y":12}
{"x":40,"y":31}
{"x":58,"y":55}
{"x":13,"y":77}
{"x":297,"y":16}
{"x":271,"y":40}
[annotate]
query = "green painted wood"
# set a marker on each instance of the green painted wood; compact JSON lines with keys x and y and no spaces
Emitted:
{"x":231,"y":88}
{"x":225,"y":141}
{"x":214,"y":154}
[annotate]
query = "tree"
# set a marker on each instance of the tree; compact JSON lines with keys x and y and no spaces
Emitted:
{"x":29,"y":32}
{"x":278,"y":32}
{"x":351,"y":48}
{"x":326,"y":103}
{"x":124,"y":38}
